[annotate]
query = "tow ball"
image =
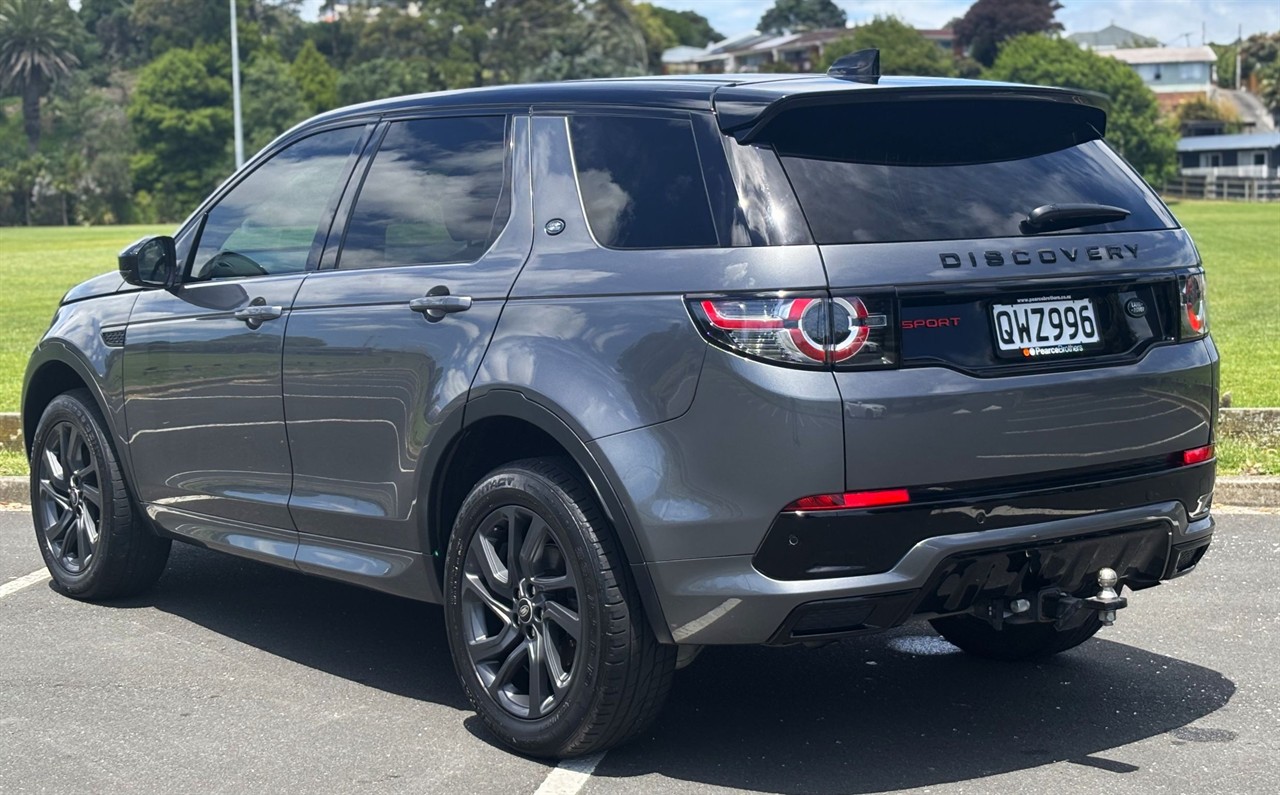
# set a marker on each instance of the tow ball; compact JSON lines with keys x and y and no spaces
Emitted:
{"x":1107,"y":602}
{"x":1052,"y":605}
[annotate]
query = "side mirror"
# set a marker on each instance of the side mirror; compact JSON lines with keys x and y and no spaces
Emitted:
{"x":149,"y":262}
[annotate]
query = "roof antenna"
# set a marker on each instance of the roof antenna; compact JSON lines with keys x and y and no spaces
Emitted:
{"x":862,"y":66}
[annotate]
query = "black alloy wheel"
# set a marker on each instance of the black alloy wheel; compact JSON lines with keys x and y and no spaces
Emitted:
{"x":520,"y":605}
{"x":70,"y":506}
{"x":546,"y":629}
{"x":95,"y":544}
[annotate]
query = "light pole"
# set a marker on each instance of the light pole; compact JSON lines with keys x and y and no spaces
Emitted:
{"x":235,"y":87}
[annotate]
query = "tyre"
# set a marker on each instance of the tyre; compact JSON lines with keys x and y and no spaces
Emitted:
{"x":545,"y":626}
{"x":93,"y":542}
{"x":1014,"y":641}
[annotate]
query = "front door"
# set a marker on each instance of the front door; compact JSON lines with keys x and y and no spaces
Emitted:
{"x":202,"y":373}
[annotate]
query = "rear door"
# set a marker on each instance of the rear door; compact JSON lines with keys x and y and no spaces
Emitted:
{"x":202,"y":361}
{"x":981,"y":346}
{"x":381,"y":349}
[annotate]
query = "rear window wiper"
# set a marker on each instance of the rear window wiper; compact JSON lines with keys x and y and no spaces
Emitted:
{"x":1055,"y":217}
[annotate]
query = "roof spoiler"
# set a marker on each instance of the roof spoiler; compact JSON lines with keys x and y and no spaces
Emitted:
{"x":862,"y":66}
{"x":744,"y":111}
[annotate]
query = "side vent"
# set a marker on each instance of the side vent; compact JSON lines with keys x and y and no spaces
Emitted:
{"x":862,"y":66}
{"x":113,"y":338}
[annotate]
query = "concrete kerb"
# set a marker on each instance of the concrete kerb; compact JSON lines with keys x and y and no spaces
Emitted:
{"x":10,"y":431}
{"x":1243,"y":490}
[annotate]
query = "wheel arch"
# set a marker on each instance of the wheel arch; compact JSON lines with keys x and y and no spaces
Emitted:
{"x":55,"y":370}
{"x":502,"y":426}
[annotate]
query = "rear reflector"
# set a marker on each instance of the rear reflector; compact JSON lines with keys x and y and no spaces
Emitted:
{"x":850,"y":499}
{"x":1197,"y":455}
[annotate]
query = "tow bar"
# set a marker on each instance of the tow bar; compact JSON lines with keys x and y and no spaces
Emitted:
{"x":1053,"y":605}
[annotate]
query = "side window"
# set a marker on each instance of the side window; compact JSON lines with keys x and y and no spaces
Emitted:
{"x":435,"y":192}
{"x":268,"y":222}
{"x":641,"y":182}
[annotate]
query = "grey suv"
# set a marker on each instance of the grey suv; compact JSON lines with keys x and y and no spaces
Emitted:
{"x":614,"y":370}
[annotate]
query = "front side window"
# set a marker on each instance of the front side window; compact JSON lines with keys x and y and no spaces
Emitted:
{"x":435,"y":193}
{"x":641,"y":182}
{"x":268,"y":222}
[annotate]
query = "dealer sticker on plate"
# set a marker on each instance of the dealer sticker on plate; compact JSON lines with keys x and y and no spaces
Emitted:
{"x":1045,"y":326}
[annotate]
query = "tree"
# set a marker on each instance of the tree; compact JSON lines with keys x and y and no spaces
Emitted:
{"x":903,"y":51}
{"x":1257,"y":53}
{"x":658,"y":38}
{"x":613,"y":44}
{"x":790,"y":16}
{"x":1269,"y":86}
{"x":316,"y":79}
{"x":384,"y":77}
{"x":167,"y":24}
{"x":1226,"y":68}
{"x":562,"y":39}
{"x":38,"y":39}
{"x":690,"y":28}
{"x":272,"y":101}
{"x":181,"y":117}
{"x":1201,"y":108}
{"x":1134,"y":126}
{"x":987,"y":23}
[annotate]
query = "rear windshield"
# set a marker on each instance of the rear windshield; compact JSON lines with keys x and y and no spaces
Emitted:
{"x":950,"y":169}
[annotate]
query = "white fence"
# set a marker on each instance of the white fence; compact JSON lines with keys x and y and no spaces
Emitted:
{"x":1253,"y":172}
{"x":1195,"y":186}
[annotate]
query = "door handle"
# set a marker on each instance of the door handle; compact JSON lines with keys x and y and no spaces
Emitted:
{"x":436,"y":307}
{"x":257,"y":314}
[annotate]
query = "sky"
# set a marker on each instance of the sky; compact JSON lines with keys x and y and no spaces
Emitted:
{"x":1173,"y":22}
{"x":1169,"y":21}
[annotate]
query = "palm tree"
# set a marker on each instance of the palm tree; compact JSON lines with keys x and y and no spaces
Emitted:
{"x":37,"y":41}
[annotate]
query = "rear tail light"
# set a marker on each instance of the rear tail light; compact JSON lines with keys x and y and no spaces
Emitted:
{"x":849,"y":500}
{"x":1197,"y":455}
{"x":1193,"y":307}
{"x":848,"y":331}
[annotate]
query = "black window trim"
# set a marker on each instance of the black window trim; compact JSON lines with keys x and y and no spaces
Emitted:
{"x":331,"y":257}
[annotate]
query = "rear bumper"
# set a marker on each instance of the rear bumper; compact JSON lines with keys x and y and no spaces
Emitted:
{"x":728,"y":600}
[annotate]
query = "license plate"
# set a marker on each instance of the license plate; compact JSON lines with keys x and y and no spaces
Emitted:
{"x":1044,"y":327}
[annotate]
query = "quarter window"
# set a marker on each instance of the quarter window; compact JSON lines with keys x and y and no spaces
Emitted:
{"x":434,"y":193}
{"x":269,"y":222}
{"x":641,"y":182}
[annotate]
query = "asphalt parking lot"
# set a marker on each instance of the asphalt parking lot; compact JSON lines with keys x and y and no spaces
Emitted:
{"x":232,"y":676}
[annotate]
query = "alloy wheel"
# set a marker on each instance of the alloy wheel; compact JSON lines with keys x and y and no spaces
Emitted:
{"x":520,"y":612}
{"x":70,"y":497}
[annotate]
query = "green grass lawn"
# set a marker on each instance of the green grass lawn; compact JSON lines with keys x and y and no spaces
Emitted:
{"x":1240,"y":244}
{"x":37,"y":266}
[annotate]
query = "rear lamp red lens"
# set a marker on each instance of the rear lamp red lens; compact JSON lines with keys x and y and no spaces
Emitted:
{"x":806,"y":330}
{"x":1194,"y":307}
{"x":1196,"y":455}
{"x":849,"y":500}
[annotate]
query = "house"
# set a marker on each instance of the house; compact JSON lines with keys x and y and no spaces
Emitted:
{"x":1175,"y":74}
{"x":760,"y":52}
{"x":1254,"y":155}
{"x":1112,"y":37}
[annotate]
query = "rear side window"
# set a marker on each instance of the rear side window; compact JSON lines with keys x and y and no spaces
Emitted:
{"x":641,"y":182}
{"x":944,"y":170}
{"x":434,"y":193}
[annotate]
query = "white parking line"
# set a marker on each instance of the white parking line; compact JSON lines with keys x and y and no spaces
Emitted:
{"x":27,"y":580}
{"x":570,"y":776}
